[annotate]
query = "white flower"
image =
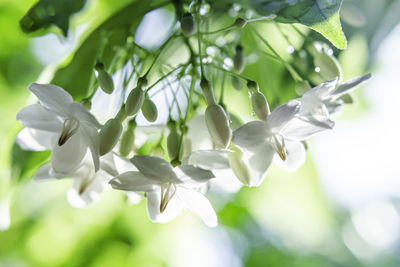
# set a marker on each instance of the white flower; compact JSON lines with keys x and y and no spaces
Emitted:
{"x":323,"y":101}
{"x":168,"y":189}
{"x":88,"y":185}
{"x":281,"y":133}
{"x":60,"y":124}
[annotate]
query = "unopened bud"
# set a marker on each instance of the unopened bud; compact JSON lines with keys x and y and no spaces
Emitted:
{"x":260,"y":105}
{"x":188,"y":25}
{"x":218,"y":125}
{"x":237,"y":83}
{"x":252,"y":85}
{"x":240,"y":23}
{"x":239,"y":168}
{"x":347,"y":99}
{"x":329,"y":67}
{"x":238,"y":60}
{"x":109,"y":135}
{"x":127,"y":142}
{"x":134,"y":101}
{"x":149,"y":110}
{"x":173,"y":144}
{"x":105,"y":81}
{"x":207,"y":91}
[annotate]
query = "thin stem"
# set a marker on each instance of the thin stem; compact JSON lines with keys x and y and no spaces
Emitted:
{"x":163,"y":77}
{"x":230,"y":72}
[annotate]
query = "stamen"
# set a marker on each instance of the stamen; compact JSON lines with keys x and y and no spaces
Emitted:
{"x":70,"y":127}
{"x":279,"y":147}
{"x":167,"y":192}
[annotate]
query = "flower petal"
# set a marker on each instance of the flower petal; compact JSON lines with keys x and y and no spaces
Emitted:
{"x":198,"y":204}
{"x":82,"y":114}
{"x":349,"y":85}
{"x":250,"y":135}
{"x":36,"y":117}
{"x":92,"y":140}
{"x":300,"y":129}
{"x":133,"y":181}
{"x":44,"y":172}
{"x":84,"y":192}
{"x":196,"y":174}
{"x":52,"y":97}
{"x":259,"y":162}
{"x":295,"y":156}
{"x":155,"y":168}
{"x":282,"y":115}
{"x":172,"y":210}
{"x":66,"y":158}
{"x":209,"y":159}
{"x":36,"y":140}
{"x":323,"y":90}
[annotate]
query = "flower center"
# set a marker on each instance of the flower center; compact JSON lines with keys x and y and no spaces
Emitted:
{"x":278,"y":143}
{"x":70,"y":127}
{"x":167,"y":192}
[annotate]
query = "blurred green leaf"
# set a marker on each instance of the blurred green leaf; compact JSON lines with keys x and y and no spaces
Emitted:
{"x":50,"y":12}
{"x":24,"y":162}
{"x":320,"y":15}
{"x":76,"y":73}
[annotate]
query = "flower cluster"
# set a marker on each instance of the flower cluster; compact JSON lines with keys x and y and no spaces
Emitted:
{"x":197,"y":149}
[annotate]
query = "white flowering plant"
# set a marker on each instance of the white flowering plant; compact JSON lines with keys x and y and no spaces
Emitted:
{"x":213,"y":102}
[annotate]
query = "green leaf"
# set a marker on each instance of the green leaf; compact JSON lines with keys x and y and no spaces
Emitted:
{"x":47,"y":12}
{"x":76,"y":73}
{"x":320,"y":15}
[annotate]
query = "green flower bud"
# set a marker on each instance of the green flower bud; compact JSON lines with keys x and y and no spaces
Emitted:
{"x":105,"y":81}
{"x":173,"y":144}
{"x":237,"y":83}
{"x":218,"y":125}
{"x":134,"y":101}
{"x":260,"y":105}
{"x":347,"y":99}
{"x":109,"y":135}
{"x":127,"y":142}
{"x":149,"y":110}
{"x":238,"y":60}
{"x":188,"y":25}
{"x":239,"y":168}
{"x":329,"y":66}
{"x":252,"y":85}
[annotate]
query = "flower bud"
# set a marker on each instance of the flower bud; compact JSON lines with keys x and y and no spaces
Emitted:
{"x":237,"y":83}
{"x":149,"y":110}
{"x":239,"y":168}
{"x":347,"y":98}
{"x":109,"y":135}
{"x":127,"y":142}
{"x":218,"y":125}
{"x":260,"y":105}
{"x":105,"y":81}
{"x":173,"y":144}
{"x":188,"y":25}
{"x":238,"y":60}
{"x":252,"y":85}
{"x":329,"y":67}
{"x":134,"y":101}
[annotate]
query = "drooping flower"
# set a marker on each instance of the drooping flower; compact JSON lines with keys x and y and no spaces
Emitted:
{"x":61,"y":125}
{"x":323,"y":101}
{"x":168,"y":189}
{"x":281,"y":133}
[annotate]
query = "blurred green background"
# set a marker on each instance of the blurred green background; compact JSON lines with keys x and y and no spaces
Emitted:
{"x":291,"y":220}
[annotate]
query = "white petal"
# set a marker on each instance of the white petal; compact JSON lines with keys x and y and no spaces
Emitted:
{"x":155,"y":168}
{"x":172,"y":210}
{"x":226,"y":181}
{"x":133,"y":181}
{"x":323,"y":90}
{"x":44,"y":172}
{"x":122,"y":164}
{"x":282,"y":115}
{"x":349,"y":85}
{"x":196,"y":174}
{"x":82,"y":114}
{"x":295,"y":156}
{"x":300,"y":129}
{"x":209,"y":159}
{"x":66,"y":158}
{"x":259,"y":162}
{"x":52,"y":97}
{"x":133,"y":197}
{"x":36,"y":140}
{"x":92,"y":140}
{"x":84,"y":192}
{"x":199,"y":205}
{"x":37,"y":117}
{"x":250,"y":135}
